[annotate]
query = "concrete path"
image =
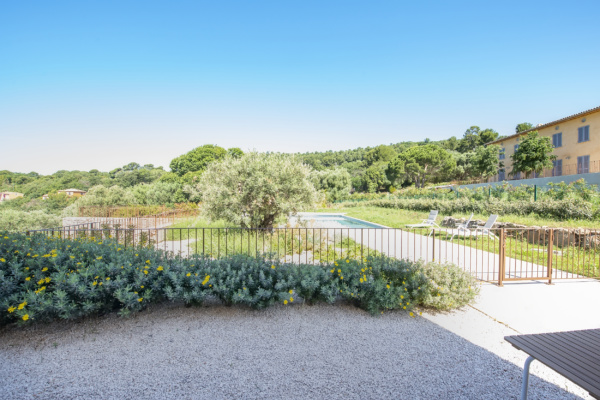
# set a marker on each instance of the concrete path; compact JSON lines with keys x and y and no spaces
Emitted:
{"x":480,"y":261}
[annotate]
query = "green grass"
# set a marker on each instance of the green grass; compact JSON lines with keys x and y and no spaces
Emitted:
{"x":395,"y":218}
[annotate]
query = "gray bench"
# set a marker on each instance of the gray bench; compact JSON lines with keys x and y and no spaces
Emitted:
{"x":574,"y":354}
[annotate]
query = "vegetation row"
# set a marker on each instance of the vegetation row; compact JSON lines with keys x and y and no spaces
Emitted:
{"x":42,"y":279}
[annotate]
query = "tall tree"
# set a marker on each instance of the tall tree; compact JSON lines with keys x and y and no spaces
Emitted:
{"x":197,"y":159}
{"x":486,"y":161}
{"x":534,"y":154}
{"x":421,"y":164}
{"x":523,"y":126}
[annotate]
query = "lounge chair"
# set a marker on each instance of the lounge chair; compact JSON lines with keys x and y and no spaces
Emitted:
{"x":462,"y":228}
{"x":486,"y":229}
{"x":427,"y":223}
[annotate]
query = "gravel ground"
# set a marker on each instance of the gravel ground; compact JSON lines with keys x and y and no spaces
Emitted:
{"x":216,"y":352}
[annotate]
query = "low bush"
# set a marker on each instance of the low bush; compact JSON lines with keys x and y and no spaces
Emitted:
{"x":20,"y":221}
{"x":44,"y":278}
{"x":448,"y":287}
{"x":557,"y":209}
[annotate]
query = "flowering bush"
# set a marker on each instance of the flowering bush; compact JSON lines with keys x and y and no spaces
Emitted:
{"x":45,"y":278}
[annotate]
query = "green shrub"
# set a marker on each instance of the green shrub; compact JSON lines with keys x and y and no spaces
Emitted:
{"x":447,"y":286}
{"x":21,"y":221}
{"x":557,"y":209}
{"x":44,"y":278}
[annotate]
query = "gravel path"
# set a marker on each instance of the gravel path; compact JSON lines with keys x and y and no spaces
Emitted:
{"x":216,"y":352}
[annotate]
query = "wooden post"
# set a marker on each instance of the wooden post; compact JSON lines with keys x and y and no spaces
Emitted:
{"x":433,"y":246}
{"x":502,"y":257}
{"x":550,"y":254}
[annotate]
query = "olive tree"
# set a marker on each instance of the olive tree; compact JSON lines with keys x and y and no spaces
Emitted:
{"x":256,"y":188}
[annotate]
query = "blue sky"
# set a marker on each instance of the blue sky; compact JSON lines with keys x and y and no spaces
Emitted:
{"x":98,"y":84}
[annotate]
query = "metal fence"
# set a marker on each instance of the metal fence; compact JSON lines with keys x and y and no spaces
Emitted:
{"x":494,"y":255}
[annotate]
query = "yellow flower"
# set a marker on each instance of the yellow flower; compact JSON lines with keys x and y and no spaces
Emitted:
{"x":401,"y":296}
{"x":119,"y":249}
{"x":108,"y":278}
{"x":404,"y":307}
{"x":48,"y":280}
{"x":188,"y":274}
{"x":25,"y":317}
{"x":347,"y":261}
{"x":95,"y":283}
{"x":97,"y":276}
{"x":40,"y":281}
{"x":147,"y":261}
{"x":339,"y":271}
{"x":336,"y":264}
{"x":28,"y":278}
{"x":361,"y":280}
{"x":332,"y":270}
{"x":272,"y":267}
{"x":100,"y":284}
{"x":145,"y":272}
{"x":22,"y":305}
{"x":291,"y":291}
{"x":44,"y":269}
{"x":341,"y":277}
{"x":291,"y":299}
{"x":11,"y":309}
{"x":72,"y":257}
{"x":411,"y":314}
{"x":285,"y":302}
{"x":140,"y":299}
{"x":99,"y":258}
{"x":142,"y":286}
{"x":160,"y":268}
{"x":388,"y":286}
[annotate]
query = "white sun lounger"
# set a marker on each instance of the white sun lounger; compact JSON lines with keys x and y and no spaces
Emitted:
{"x":483,"y":231}
{"x":462,"y":228}
{"x":427,"y":223}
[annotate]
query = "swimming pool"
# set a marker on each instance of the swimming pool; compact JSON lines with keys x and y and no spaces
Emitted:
{"x":331,"y":220}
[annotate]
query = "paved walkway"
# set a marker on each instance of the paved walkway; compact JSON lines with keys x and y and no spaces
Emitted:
{"x":480,"y":261}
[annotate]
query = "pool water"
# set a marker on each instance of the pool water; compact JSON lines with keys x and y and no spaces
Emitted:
{"x":328,"y":220}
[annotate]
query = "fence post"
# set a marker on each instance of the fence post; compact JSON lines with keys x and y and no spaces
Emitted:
{"x":550,"y":254}
{"x":502,"y":257}
{"x":433,"y":246}
{"x":534,"y":192}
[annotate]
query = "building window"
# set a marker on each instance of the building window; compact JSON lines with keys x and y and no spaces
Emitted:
{"x":583,"y":164}
{"x":516,"y":147}
{"x":557,"y":140}
{"x":501,"y":155}
{"x":517,"y":176}
{"x":557,"y":168}
{"x":583,"y":134}
{"x":501,"y":175}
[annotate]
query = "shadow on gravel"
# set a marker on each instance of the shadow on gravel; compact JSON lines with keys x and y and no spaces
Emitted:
{"x":216,"y":352}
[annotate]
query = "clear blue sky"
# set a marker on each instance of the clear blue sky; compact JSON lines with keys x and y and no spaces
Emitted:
{"x":98,"y":84}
